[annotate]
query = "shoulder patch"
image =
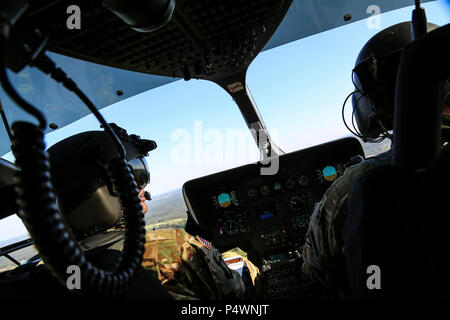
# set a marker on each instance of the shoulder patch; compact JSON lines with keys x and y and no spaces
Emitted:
{"x":204,"y":242}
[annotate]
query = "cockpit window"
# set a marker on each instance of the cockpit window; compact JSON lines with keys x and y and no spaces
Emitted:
{"x":13,"y":231}
{"x":300,"y":87}
{"x":198,"y":129}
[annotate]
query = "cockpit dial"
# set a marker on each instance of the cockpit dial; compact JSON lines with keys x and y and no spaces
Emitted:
{"x":297,"y":203}
{"x":232,"y":223}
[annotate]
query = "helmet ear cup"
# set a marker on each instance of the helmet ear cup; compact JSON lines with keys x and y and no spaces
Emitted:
{"x":367,"y":107}
{"x":373,"y":102}
{"x":99,"y":211}
{"x":363,"y":114}
{"x":85,"y":194}
{"x":375,"y":76}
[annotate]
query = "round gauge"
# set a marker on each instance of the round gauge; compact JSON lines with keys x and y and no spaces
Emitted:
{"x":265,"y":190}
{"x":300,"y":222}
{"x":228,"y":226}
{"x":303,"y":180}
{"x":224,"y":200}
{"x":297,"y":203}
{"x":290,"y":183}
{"x":251,"y":193}
{"x":329,"y":173}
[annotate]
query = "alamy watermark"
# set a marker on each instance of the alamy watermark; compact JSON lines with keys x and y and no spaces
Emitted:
{"x":74,"y":279}
{"x":213,"y":146}
{"x":374,"y":20}
{"x":374,"y":280}
{"x":74,"y":20}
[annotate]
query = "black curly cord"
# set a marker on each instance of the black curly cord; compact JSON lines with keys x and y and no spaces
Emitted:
{"x":5,"y":122}
{"x":37,"y":203}
{"x":51,"y":235}
{"x":126,"y":187}
{"x":9,"y":89}
{"x":36,"y":200}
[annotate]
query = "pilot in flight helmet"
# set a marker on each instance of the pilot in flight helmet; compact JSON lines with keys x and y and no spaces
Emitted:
{"x":85,"y":193}
{"x":374,"y":78}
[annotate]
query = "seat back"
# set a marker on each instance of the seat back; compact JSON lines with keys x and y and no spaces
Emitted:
{"x":399,"y":221}
{"x":399,"y":214}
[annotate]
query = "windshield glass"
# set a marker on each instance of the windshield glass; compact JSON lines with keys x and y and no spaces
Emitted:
{"x":198,"y":129}
{"x":299,"y":88}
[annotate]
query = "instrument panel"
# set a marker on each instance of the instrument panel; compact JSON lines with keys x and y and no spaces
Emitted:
{"x":266,"y":215}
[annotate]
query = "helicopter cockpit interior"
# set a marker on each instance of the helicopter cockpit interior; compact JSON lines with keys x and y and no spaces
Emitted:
{"x":264,"y":207}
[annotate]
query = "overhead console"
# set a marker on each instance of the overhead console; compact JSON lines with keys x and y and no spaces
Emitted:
{"x":266,"y":214}
{"x":203,"y":40}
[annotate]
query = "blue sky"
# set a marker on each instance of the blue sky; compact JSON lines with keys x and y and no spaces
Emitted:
{"x":298,"y":87}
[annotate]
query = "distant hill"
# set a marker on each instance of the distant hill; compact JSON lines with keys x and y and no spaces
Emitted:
{"x":14,"y":240}
{"x":166,"y":206}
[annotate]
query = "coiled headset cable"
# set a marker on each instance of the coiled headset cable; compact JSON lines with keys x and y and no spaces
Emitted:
{"x":37,"y":202}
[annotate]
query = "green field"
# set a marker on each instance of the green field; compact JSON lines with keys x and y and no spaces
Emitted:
{"x":173,"y":223}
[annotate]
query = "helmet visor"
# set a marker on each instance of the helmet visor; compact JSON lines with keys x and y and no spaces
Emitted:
{"x":140,"y":171}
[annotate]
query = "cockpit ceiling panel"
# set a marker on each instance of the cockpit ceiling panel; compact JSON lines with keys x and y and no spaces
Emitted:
{"x":203,"y":39}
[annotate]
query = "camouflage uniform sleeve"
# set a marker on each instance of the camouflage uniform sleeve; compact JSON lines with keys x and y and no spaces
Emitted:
{"x":207,"y":262}
{"x":323,"y":252}
{"x":189,"y":268}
